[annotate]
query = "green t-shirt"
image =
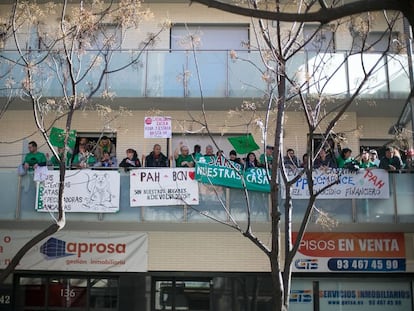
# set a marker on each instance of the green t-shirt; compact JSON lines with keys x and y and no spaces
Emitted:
{"x":341,"y":162}
{"x":79,"y":158}
{"x":38,"y":158}
{"x":262,"y":159}
{"x":181,"y":159}
{"x":366,"y":165}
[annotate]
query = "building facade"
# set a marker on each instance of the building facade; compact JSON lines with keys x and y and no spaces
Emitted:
{"x":117,"y":253}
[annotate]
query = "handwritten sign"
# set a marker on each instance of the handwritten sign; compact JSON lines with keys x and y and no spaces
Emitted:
{"x":222,"y":172}
{"x":364,"y":184}
{"x":88,"y":191}
{"x":160,"y":187}
{"x":157,"y":127}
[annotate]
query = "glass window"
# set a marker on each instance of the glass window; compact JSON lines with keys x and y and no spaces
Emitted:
{"x":319,"y":39}
{"x":32,"y":292}
{"x":182,"y":295}
{"x":377,"y":41}
{"x":56,"y":292}
{"x":301,"y":295}
{"x":104,"y":293}
{"x":375,"y":295}
{"x":107,"y":36}
{"x":67,"y":292}
{"x":209,"y":36}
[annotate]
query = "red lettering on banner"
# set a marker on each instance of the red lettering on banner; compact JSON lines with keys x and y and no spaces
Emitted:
{"x":110,"y":248}
{"x":374,"y":179}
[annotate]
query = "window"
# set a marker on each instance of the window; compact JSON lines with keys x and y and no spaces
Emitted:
{"x":318,"y":39}
{"x":53,"y":292}
{"x":92,"y":139}
{"x":108,"y":36}
{"x":210,"y":36}
{"x":377,"y":41}
{"x":177,"y":294}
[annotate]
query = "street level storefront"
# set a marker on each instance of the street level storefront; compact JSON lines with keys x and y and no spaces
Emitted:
{"x":109,"y":271}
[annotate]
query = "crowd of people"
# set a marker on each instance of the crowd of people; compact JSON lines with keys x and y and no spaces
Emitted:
{"x":103,"y":154}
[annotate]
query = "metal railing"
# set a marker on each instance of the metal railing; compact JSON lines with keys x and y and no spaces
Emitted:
{"x":173,"y":74}
{"x":19,"y":197}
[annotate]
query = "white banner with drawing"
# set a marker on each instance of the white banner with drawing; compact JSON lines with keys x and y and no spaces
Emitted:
{"x":161,"y":187}
{"x":89,"y":191}
{"x":362,"y":184}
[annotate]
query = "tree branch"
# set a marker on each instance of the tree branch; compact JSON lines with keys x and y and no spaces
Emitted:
{"x":323,"y":15}
{"x":19,"y":255}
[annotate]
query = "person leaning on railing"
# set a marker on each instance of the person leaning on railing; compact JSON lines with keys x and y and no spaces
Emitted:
{"x":183,"y":159}
{"x":83,"y":158}
{"x":365,"y":161}
{"x":131,"y":160}
{"x":34,"y":158}
{"x":391,"y":161}
{"x":156,"y":158}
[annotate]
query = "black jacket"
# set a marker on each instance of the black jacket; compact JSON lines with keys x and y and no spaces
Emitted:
{"x":160,"y":161}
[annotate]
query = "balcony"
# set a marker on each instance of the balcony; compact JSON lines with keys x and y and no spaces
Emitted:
{"x":19,"y":197}
{"x":173,"y":74}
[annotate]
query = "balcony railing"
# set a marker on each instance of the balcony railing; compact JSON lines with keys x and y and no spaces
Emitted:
{"x":173,"y":74}
{"x":19,"y":196}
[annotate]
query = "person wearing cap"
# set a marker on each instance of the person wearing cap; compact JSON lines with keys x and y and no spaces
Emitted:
{"x":365,"y":161}
{"x":373,"y":156}
{"x":390,"y":161}
{"x":267,"y":157}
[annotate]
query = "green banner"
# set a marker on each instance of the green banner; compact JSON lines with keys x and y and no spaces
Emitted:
{"x":222,"y":173}
{"x":57,"y":138}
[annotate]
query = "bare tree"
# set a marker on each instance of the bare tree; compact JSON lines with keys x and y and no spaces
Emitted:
{"x":322,"y":109}
{"x":314,"y":11}
{"x":74,"y":55}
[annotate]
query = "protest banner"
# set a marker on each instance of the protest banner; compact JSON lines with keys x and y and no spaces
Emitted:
{"x":157,"y":127}
{"x":161,"y":187}
{"x":89,"y":191}
{"x":363,"y":184}
{"x":222,"y":172}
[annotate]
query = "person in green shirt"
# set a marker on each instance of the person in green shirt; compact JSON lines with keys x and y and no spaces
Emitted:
{"x":183,"y":159}
{"x":344,"y":158}
{"x":366,"y":161}
{"x":83,"y":158}
{"x":267,"y":157}
{"x":34,"y":158}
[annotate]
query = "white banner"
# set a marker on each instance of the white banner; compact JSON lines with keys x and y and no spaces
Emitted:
{"x":364,"y":184}
{"x":161,"y":187}
{"x":157,"y":127}
{"x":78,"y":251}
{"x":89,"y":191}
